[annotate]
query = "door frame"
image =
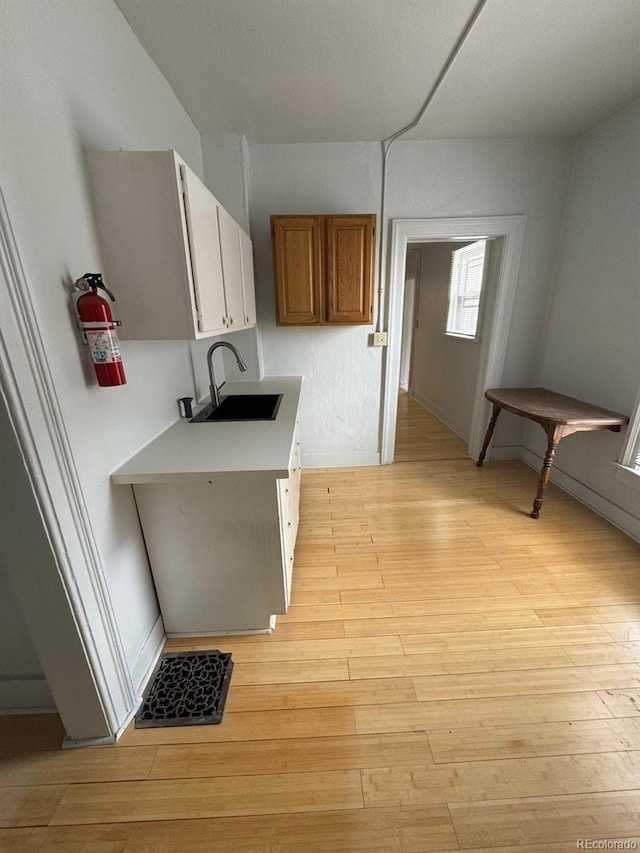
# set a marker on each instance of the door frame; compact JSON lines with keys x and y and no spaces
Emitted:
{"x":498,"y":320}
{"x":51,"y":555}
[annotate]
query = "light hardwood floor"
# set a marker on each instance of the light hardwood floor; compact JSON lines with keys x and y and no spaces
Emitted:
{"x":421,"y":436}
{"x":451,"y":675}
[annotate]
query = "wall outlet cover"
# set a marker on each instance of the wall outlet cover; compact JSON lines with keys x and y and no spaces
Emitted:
{"x":380,"y":339}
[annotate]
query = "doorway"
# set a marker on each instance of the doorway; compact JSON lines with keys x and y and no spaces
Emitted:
{"x":497,"y":310}
{"x":439,"y":362}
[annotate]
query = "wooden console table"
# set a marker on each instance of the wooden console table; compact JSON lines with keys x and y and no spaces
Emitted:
{"x":558,"y":416}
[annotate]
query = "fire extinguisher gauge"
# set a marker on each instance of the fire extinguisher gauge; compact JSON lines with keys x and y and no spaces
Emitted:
{"x":93,"y":279}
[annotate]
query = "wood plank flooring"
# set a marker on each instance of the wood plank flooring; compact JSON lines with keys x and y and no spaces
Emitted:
{"x":451,"y":675}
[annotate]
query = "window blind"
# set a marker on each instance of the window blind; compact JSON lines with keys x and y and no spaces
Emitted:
{"x":465,"y":286}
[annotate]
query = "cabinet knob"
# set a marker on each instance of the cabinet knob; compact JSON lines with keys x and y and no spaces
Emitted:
{"x":231,"y":321}
{"x":288,"y":524}
{"x":246,"y":319}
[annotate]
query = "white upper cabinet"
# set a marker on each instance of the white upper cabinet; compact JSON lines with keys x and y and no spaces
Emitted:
{"x":179,"y":265}
{"x":204,"y":249}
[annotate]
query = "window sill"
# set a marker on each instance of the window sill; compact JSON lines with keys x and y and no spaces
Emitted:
{"x":459,"y":337}
{"x":628,"y":476}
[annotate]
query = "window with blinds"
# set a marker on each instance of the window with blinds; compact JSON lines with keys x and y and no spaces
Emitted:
{"x":465,"y":288}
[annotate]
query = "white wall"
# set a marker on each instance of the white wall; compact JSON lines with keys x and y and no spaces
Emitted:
{"x":23,"y":685}
{"x":223,"y":159}
{"x":444,"y":370}
{"x":443,"y":178}
{"x":340,"y":404}
{"x":591,"y":343}
{"x":74,"y":77}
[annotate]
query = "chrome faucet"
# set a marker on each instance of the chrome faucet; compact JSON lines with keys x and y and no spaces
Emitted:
{"x":213,"y":388}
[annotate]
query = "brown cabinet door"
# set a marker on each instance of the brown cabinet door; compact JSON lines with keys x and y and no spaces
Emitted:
{"x":350,"y":243}
{"x":298,"y":250}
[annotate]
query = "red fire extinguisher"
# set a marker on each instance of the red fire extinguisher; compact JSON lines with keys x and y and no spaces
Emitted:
{"x":99,"y":327}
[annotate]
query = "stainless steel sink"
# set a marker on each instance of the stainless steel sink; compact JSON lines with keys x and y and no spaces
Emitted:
{"x":241,"y":407}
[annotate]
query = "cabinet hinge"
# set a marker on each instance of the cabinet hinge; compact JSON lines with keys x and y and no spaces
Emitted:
{"x":199,"y":316}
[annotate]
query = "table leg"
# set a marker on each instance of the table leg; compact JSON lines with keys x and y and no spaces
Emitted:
{"x":554,"y":434}
{"x":489,"y":433}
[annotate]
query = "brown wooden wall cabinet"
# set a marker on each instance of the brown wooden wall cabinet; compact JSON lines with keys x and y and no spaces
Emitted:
{"x":323,"y":269}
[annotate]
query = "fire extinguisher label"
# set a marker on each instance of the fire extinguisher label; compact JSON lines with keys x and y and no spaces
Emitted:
{"x":104,"y":346}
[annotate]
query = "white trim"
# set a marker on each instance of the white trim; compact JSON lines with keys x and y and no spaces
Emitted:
{"x":617,"y":516}
{"x":631,"y":446}
{"x":28,"y":389}
{"x":223,"y":632}
{"x":148,"y":656}
{"x":627,"y":469}
{"x":80,"y":743}
{"x":506,"y":453}
{"x":494,"y":343}
{"x":628,"y":476}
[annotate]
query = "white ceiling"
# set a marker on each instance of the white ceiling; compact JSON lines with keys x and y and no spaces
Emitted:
{"x":356,"y":70}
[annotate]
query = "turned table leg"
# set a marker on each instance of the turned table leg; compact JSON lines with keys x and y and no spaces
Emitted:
{"x":489,"y":433}
{"x":554,"y":434}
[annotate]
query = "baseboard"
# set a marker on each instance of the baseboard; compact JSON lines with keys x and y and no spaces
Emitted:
{"x":28,"y":694}
{"x":504,"y":453}
{"x":140,"y":674}
{"x":436,"y":411}
{"x":603,"y":507}
{"x":148,"y":656}
{"x":351,"y":459}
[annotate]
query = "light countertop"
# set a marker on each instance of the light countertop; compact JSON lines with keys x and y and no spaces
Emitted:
{"x":195,"y":452}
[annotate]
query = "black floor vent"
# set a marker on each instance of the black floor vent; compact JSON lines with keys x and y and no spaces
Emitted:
{"x":186,"y":689}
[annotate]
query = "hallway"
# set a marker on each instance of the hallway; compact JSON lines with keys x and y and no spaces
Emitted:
{"x":420,"y":436}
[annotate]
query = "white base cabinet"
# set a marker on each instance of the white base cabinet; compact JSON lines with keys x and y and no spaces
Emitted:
{"x":219,"y":508}
{"x":222,"y":551}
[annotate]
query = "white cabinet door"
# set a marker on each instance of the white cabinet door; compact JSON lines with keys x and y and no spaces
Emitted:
{"x":248,"y":282}
{"x":232,"y":268}
{"x":204,"y":247}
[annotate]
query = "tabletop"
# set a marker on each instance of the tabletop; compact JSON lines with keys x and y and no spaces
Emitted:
{"x":542,"y":404}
